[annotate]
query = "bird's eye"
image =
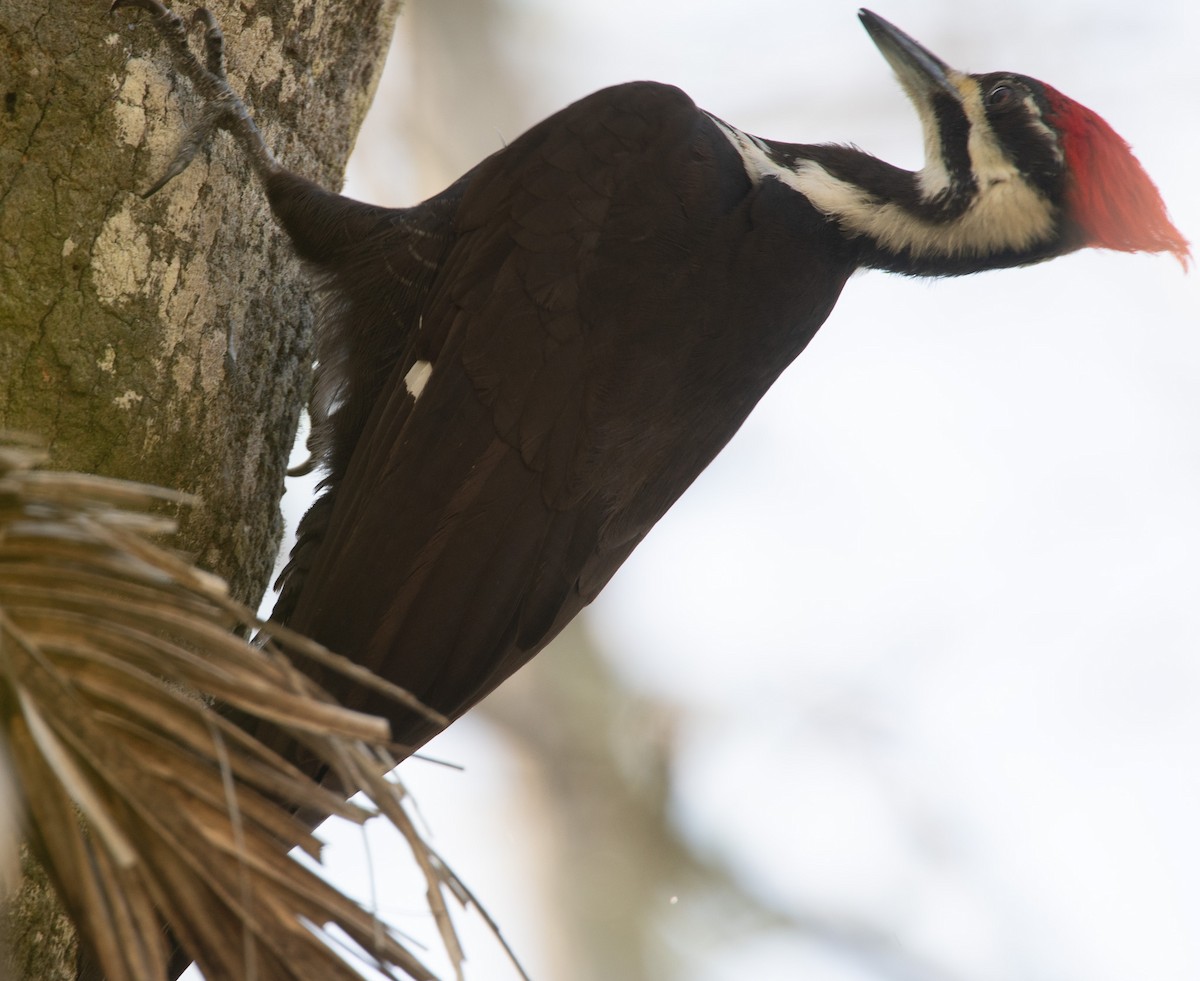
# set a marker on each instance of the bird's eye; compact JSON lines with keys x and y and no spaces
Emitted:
{"x":1000,"y":96}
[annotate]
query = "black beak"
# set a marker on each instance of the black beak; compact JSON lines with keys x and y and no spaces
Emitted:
{"x":920,"y":71}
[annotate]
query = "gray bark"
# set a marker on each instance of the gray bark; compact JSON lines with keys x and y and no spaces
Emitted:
{"x":165,"y":340}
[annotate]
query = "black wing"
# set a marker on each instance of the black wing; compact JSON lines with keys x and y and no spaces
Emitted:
{"x":601,"y":304}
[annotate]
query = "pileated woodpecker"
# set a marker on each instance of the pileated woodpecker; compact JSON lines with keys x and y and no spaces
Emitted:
{"x":518,"y":377}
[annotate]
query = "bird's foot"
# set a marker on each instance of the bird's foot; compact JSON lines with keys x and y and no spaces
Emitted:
{"x":223,"y":108}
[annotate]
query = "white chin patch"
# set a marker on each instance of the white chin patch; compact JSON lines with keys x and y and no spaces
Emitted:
{"x":418,"y":375}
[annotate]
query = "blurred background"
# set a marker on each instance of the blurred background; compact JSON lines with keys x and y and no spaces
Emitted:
{"x":907,"y":686}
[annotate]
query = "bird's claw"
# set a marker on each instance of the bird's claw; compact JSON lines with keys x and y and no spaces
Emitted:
{"x":214,"y":41}
{"x":189,"y":146}
{"x":223,"y":108}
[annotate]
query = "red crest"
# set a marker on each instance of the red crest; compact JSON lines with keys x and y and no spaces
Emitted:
{"x":1109,"y":195}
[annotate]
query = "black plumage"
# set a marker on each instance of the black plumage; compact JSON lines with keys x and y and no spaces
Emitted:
{"x":518,"y":377}
{"x":564,"y":411}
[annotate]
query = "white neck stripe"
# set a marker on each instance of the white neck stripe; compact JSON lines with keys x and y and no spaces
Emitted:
{"x":1006,"y":214}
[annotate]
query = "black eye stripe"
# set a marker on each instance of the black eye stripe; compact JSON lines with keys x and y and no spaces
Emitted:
{"x":1014,"y":111}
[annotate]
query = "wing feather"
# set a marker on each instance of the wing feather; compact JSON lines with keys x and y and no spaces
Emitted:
{"x":462,"y":529}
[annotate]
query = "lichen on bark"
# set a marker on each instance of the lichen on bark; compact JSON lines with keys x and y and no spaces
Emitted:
{"x":167,"y":340}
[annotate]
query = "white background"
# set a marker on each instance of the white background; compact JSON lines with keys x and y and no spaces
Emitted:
{"x":931,"y":621}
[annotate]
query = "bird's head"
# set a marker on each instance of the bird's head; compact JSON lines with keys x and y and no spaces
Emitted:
{"x":1013,"y":165}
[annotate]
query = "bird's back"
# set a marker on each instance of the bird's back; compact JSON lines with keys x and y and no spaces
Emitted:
{"x":551,"y":352}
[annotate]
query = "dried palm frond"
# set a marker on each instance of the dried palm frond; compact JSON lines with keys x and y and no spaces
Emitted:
{"x":145,"y":804}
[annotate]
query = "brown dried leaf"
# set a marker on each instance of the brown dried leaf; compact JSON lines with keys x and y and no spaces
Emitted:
{"x":112,"y":651}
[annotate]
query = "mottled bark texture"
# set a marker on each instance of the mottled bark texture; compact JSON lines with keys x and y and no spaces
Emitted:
{"x":166,"y":340}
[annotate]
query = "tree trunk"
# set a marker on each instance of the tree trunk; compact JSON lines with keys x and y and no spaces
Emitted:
{"x":165,"y":340}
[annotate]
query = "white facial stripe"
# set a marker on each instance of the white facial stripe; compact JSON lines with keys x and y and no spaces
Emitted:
{"x":1035,"y":116}
{"x":932,"y":179}
{"x":988,"y":160}
{"x":416,"y":378}
{"x":753,"y":151}
{"x":1007,"y":212}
